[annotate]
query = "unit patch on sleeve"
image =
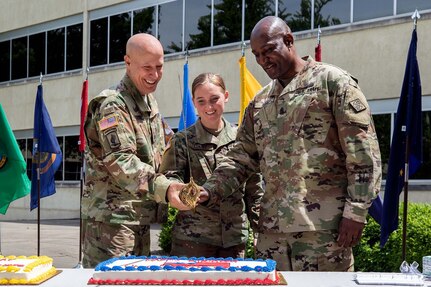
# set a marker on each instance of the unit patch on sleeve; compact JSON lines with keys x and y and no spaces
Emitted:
{"x":112,"y":138}
{"x":107,"y":122}
{"x":357,"y":105}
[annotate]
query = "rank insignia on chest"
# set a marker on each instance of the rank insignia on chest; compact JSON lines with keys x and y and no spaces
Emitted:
{"x":357,"y":105}
{"x":107,"y":122}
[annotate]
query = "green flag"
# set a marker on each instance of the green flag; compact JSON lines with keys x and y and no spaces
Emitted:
{"x":14,"y":182}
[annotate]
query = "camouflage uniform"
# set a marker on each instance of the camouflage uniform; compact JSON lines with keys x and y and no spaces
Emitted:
{"x":222,"y":231}
{"x":126,"y":139}
{"x":315,"y":143}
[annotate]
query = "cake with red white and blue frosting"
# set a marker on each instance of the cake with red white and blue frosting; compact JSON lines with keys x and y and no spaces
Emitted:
{"x":162,"y":270}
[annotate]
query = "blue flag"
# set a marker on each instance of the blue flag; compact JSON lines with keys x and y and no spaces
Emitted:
{"x":188,"y":113}
{"x":45,"y":148}
{"x":408,"y":125}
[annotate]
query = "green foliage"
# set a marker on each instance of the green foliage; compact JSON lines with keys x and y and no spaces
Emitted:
{"x":369,"y":256}
{"x":165,"y":237}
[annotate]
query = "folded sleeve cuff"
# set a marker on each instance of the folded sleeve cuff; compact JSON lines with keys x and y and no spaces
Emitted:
{"x":161,"y":185}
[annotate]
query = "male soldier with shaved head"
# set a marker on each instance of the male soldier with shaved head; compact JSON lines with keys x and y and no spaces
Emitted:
{"x":311,"y":134}
{"x":126,"y":139}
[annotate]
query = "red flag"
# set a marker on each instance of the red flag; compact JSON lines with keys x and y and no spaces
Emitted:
{"x":318,"y":53}
{"x":84,"y":108}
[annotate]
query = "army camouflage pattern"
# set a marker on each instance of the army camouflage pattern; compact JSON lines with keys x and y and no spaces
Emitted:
{"x":315,"y":143}
{"x":305,"y":251}
{"x":104,"y":241}
{"x":226,"y":224}
{"x":125,"y":142}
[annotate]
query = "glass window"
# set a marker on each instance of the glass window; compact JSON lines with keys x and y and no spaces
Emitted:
{"x":19,"y":58}
{"x":74,"y":47}
{"x":227,"y":21}
{"x":254,"y":11}
{"x":362,"y":11}
{"x":36,"y":54}
{"x":383,"y":130}
{"x":424,"y":170}
{"x":409,"y":6}
{"x":144,"y":21}
{"x":198,"y":24}
{"x":296,"y":13}
{"x":5,"y":61}
{"x":99,"y":42}
{"x":59,"y":173}
{"x":55,"y":51}
{"x":328,"y":13}
{"x":120,"y":29}
{"x":170,"y":26}
{"x":72,"y":159}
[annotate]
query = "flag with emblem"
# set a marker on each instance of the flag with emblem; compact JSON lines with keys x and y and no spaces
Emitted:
{"x":188,"y":115}
{"x":249,"y":86}
{"x":47,"y":154}
{"x":406,"y":145}
{"x":14,"y":182}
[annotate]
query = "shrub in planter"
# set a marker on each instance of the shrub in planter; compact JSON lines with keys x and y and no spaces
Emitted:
{"x":370,"y":257}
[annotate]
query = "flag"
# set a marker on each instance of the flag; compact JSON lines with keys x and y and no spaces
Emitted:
{"x":45,"y":143}
{"x":84,"y":108}
{"x":318,"y":53}
{"x":249,"y":86}
{"x":408,"y":125}
{"x":188,"y":115}
{"x":14,"y":182}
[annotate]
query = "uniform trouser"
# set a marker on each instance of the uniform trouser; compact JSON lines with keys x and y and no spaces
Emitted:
{"x":197,"y":249}
{"x":305,"y":251}
{"x":102,"y":241}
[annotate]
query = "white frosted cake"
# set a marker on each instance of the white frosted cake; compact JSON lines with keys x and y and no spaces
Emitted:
{"x":142,"y":270}
{"x":25,"y":270}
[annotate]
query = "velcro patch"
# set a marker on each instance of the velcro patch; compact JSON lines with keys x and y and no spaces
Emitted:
{"x":357,"y":105}
{"x":112,"y":138}
{"x":107,"y":122}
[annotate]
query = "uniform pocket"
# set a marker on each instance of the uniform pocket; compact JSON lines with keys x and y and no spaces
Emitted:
{"x":314,"y":120}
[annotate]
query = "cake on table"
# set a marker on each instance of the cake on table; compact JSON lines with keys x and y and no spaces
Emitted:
{"x":25,"y":270}
{"x":162,"y":270}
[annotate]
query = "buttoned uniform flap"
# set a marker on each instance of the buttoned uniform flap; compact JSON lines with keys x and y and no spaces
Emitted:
{"x":355,"y":109}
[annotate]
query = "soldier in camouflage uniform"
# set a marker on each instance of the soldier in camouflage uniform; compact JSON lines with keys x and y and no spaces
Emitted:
{"x":223,"y":230}
{"x":126,"y":139}
{"x":311,"y":134}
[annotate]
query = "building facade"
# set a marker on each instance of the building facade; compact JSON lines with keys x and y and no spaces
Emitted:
{"x":67,"y":41}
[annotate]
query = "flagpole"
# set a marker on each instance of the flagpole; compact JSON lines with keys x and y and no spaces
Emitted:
{"x":38,"y":184}
{"x":415,"y":18}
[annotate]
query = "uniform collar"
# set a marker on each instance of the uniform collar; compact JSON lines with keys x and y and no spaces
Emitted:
{"x":278,"y":90}
{"x":227,"y":135}
{"x":147,"y":105}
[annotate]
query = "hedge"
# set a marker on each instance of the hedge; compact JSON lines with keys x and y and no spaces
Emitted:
{"x":369,"y":256}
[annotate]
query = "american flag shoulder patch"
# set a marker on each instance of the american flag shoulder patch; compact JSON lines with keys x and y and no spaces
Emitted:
{"x":107,"y":122}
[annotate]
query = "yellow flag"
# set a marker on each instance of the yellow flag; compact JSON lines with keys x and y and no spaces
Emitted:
{"x":249,"y":86}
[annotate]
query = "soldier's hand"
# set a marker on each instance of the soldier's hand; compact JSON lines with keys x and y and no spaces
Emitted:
{"x":203,"y":196}
{"x":173,"y":196}
{"x":349,"y":232}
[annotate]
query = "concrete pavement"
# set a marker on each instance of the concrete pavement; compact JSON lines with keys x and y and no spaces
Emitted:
{"x":59,"y":239}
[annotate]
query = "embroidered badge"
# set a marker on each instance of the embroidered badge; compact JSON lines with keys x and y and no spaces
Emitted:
{"x":113,"y":140}
{"x":107,"y":122}
{"x":357,"y":105}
